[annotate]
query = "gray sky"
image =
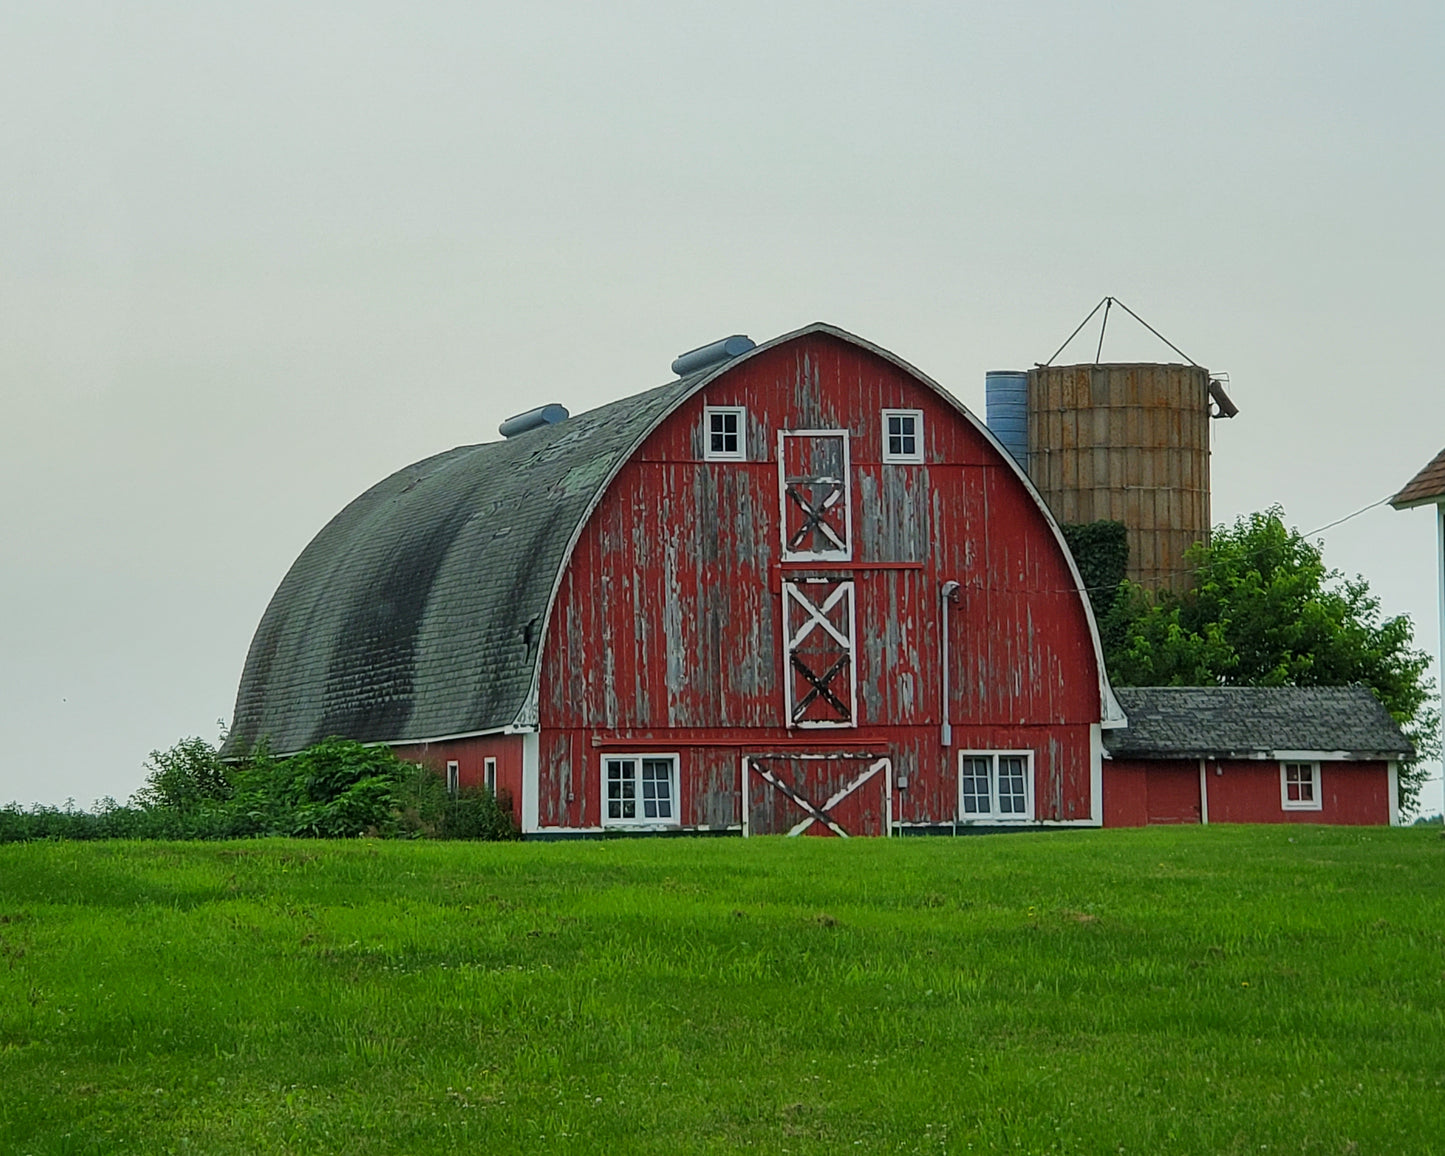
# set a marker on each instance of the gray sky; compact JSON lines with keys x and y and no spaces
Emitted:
{"x":255,"y":257}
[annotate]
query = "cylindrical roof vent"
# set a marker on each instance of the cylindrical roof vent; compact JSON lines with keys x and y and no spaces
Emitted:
{"x":710,"y":355}
{"x":532,"y":419}
{"x":1006,"y":396}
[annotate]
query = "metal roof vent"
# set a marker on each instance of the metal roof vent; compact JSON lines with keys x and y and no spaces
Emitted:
{"x":1226,"y":408}
{"x":532,"y":419}
{"x":710,"y":355}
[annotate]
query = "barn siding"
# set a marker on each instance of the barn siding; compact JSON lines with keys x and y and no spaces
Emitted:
{"x":471,"y":754}
{"x":668,"y":621}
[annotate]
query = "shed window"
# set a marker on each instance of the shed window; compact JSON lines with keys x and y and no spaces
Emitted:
{"x":489,"y":774}
{"x":454,"y":777}
{"x":639,"y":789}
{"x":724,"y":433}
{"x":995,"y":785}
{"x":902,"y":435}
{"x":1299,"y":786}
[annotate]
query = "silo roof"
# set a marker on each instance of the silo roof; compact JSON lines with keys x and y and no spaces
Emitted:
{"x":1426,"y":487}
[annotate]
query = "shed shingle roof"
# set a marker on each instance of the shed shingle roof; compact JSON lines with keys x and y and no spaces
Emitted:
{"x":1253,"y":721}
{"x":1426,"y":486}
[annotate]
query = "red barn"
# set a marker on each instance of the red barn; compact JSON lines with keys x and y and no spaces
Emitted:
{"x":798,"y":589}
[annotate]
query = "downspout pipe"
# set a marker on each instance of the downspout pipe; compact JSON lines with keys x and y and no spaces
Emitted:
{"x":948,"y":595}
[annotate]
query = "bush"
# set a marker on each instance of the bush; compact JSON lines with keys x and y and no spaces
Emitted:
{"x":334,"y":789}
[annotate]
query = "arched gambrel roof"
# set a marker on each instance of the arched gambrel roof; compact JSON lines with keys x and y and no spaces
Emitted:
{"x":418,"y":612}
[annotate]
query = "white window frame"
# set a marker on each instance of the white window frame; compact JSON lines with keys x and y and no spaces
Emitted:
{"x":454,"y":776}
{"x":993,"y":814}
{"x":917,"y":454}
{"x":1313,"y":804}
{"x":489,"y":774}
{"x":738,"y":455}
{"x":639,"y":820}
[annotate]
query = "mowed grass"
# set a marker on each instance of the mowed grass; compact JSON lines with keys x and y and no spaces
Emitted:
{"x":1223,"y":989}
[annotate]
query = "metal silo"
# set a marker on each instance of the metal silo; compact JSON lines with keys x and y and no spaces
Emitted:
{"x":1128,"y":442}
{"x":1006,"y":394}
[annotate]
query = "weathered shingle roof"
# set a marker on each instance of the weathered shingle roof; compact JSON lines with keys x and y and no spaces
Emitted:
{"x":1249,"y":721}
{"x":1426,"y":486}
{"x":416,"y":612}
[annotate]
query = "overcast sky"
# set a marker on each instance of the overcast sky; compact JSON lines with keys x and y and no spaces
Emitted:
{"x":255,"y":257}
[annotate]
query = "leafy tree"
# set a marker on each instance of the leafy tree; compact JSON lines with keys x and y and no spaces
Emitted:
{"x":1265,"y":611}
{"x":186,"y":778}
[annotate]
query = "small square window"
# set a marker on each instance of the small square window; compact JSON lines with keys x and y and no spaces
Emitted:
{"x":639,"y":789}
{"x":995,"y":786}
{"x":902,"y":435}
{"x":724,"y":431}
{"x":1299,"y":786}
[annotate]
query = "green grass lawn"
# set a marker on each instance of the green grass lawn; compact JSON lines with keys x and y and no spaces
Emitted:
{"x":1223,"y":989}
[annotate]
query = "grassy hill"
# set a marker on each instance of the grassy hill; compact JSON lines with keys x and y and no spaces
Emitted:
{"x":1167,"y":990}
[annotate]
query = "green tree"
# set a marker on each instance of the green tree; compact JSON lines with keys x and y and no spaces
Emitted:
{"x":1266,"y":611}
{"x":186,"y":778}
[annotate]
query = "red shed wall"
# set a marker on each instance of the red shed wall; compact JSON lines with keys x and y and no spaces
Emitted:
{"x":667,"y":629}
{"x":1247,"y":791}
{"x":1140,"y":791}
{"x":471,"y":754}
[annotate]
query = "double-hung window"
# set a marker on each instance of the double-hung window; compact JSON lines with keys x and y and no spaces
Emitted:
{"x":995,"y":786}
{"x":902,"y":435}
{"x":724,"y":433}
{"x":639,"y":789}
{"x":1299,"y":786}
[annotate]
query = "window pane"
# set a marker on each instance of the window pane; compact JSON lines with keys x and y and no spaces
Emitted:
{"x":621,"y":789}
{"x":1012,"y":799}
{"x":974,"y":786}
{"x":657,"y":788}
{"x":723,"y":432}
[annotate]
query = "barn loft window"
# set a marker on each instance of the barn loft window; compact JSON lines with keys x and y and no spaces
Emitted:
{"x":902,"y":435}
{"x":724,"y":433}
{"x":1299,"y":786}
{"x":454,"y":777}
{"x":995,"y":786}
{"x":639,"y":789}
{"x":489,"y":774}
{"x":813,"y":477}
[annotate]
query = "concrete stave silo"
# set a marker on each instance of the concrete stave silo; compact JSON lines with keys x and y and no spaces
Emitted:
{"x":1127,"y":442}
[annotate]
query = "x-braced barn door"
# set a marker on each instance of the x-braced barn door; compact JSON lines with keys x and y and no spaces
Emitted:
{"x":820,"y":676}
{"x":819,"y":654}
{"x":814,"y":491}
{"x":840,"y":794}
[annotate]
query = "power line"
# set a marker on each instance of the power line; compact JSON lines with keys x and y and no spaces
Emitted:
{"x":1347,"y":517}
